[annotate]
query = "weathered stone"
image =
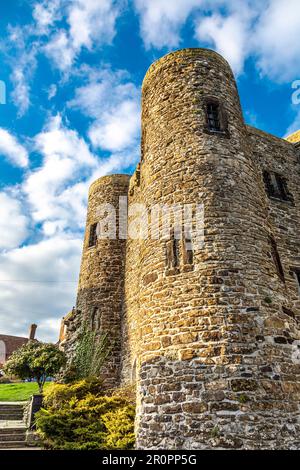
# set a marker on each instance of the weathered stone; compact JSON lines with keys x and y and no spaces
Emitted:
{"x":222,"y":322}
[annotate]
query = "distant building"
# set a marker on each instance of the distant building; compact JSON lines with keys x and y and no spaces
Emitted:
{"x":9,"y":344}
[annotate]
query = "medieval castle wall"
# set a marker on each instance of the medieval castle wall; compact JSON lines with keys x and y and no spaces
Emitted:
{"x":207,"y":325}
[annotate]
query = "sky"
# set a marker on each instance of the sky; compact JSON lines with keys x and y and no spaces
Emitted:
{"x":73,"y":71}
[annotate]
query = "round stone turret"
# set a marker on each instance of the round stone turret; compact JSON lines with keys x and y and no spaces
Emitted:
{"x":101,"y":281}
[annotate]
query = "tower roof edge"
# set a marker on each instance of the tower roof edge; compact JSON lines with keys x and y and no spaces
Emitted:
{"x":197,"y":51}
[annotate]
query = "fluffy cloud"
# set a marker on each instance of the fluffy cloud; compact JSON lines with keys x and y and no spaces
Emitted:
{"x":13,"y":223}
{"x":116,"y":124}
{"x":54,"y":190}
{"x":60,"y":50}
{"x":161,"y":20}
{"x":12,"y":150}
{"x":22,"y":58}
{"x":90,"y":23}
{"x":276,"y":40}
{"x":37,"y":285}
{"x":229,"y":36}
{"x":268,"y":30}
{"x":46,"y":14}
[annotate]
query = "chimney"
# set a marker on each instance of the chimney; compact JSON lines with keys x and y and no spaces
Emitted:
{"x":32,"y":331}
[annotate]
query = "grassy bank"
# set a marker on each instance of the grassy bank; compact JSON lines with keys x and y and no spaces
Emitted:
{"x":18,"y":391}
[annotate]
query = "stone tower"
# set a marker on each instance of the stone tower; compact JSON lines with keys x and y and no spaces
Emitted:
{"x":101,"y":280}
{"x":209,"y":319}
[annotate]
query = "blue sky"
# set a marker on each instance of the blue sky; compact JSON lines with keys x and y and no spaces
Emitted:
{"x":73,"y":71}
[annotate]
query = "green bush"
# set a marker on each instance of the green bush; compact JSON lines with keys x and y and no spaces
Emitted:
{"x":79,"y":417}
{"x":57,"y":395}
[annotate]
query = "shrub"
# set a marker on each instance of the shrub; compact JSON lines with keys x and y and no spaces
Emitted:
{"x":79,"y":417}
{"x":57,"y":395}
{"x":90,"y":354}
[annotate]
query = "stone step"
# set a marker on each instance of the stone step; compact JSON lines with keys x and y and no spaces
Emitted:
{"x":13,"y":437}
{"x":5,"y":431}
{"x":11,"y":408}
{"x":11,"y":417}
{"x":12,"y":445}
{"x":12,"y":411}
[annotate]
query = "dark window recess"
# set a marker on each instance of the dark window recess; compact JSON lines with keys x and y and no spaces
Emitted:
{"x":213,"y":117}
{"x":216,"y":118}
{"x":172,"y":252}
{"x":276,"y":258}
{"x":276,"y":186}
{"x":93,"y":235}
{"x":188,"y":252}
{"x":93,"y":318}
{"x":296,"y":273}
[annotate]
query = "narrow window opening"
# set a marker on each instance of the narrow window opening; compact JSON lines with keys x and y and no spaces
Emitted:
{"x":296,"y":274}
{"x":213,"y":117}
{"x":276,"y":258}
{"x":93,"y":235}
{"x":93,"y":318}
{"x":188,"y":252}
{"x":276,"y":186}
{"x":172,"y":252}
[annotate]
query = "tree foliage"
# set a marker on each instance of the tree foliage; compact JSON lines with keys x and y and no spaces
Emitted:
{"x":35,"y":360}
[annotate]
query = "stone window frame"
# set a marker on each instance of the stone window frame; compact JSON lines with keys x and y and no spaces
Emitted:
{"x":179,"y":255}
{"x":172,"y":253}
{"x":187,"y":252}
{"x":224,"y":131}
{"x":280,"y":192}
{"x":295,"y":272}
{"x":92,"y":242}
{"x":276,"y":258}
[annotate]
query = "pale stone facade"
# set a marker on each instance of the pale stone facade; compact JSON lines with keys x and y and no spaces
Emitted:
{"x":212,"y":337}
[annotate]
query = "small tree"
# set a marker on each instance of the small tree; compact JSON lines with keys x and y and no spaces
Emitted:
{"x":35,"y":360}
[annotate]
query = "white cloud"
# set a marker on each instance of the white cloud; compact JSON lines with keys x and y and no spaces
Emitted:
{"x":229,"y":35}
{"x":38,"y":285}
{"x":46,"y":14}
{"x":267,"y":30}
{"x":161,"y":20}
{"x":114,"y":104}
{"x":12,"y":150}
{"x":276,"y":40}
{"x":52,"y":91}
{"x":23,"y":62}
{"x":60,"y":50}
{"x":91,"y":23}
{"x":13,"y":223}
{"x":54,"y":190}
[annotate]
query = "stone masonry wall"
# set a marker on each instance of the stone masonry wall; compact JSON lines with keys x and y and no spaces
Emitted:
{"x":101,"y":282}
{"x":212,"y":369}
{"x":212,"y":340}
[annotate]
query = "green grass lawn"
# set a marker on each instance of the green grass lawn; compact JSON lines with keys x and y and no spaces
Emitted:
{"x":19,"y":391}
